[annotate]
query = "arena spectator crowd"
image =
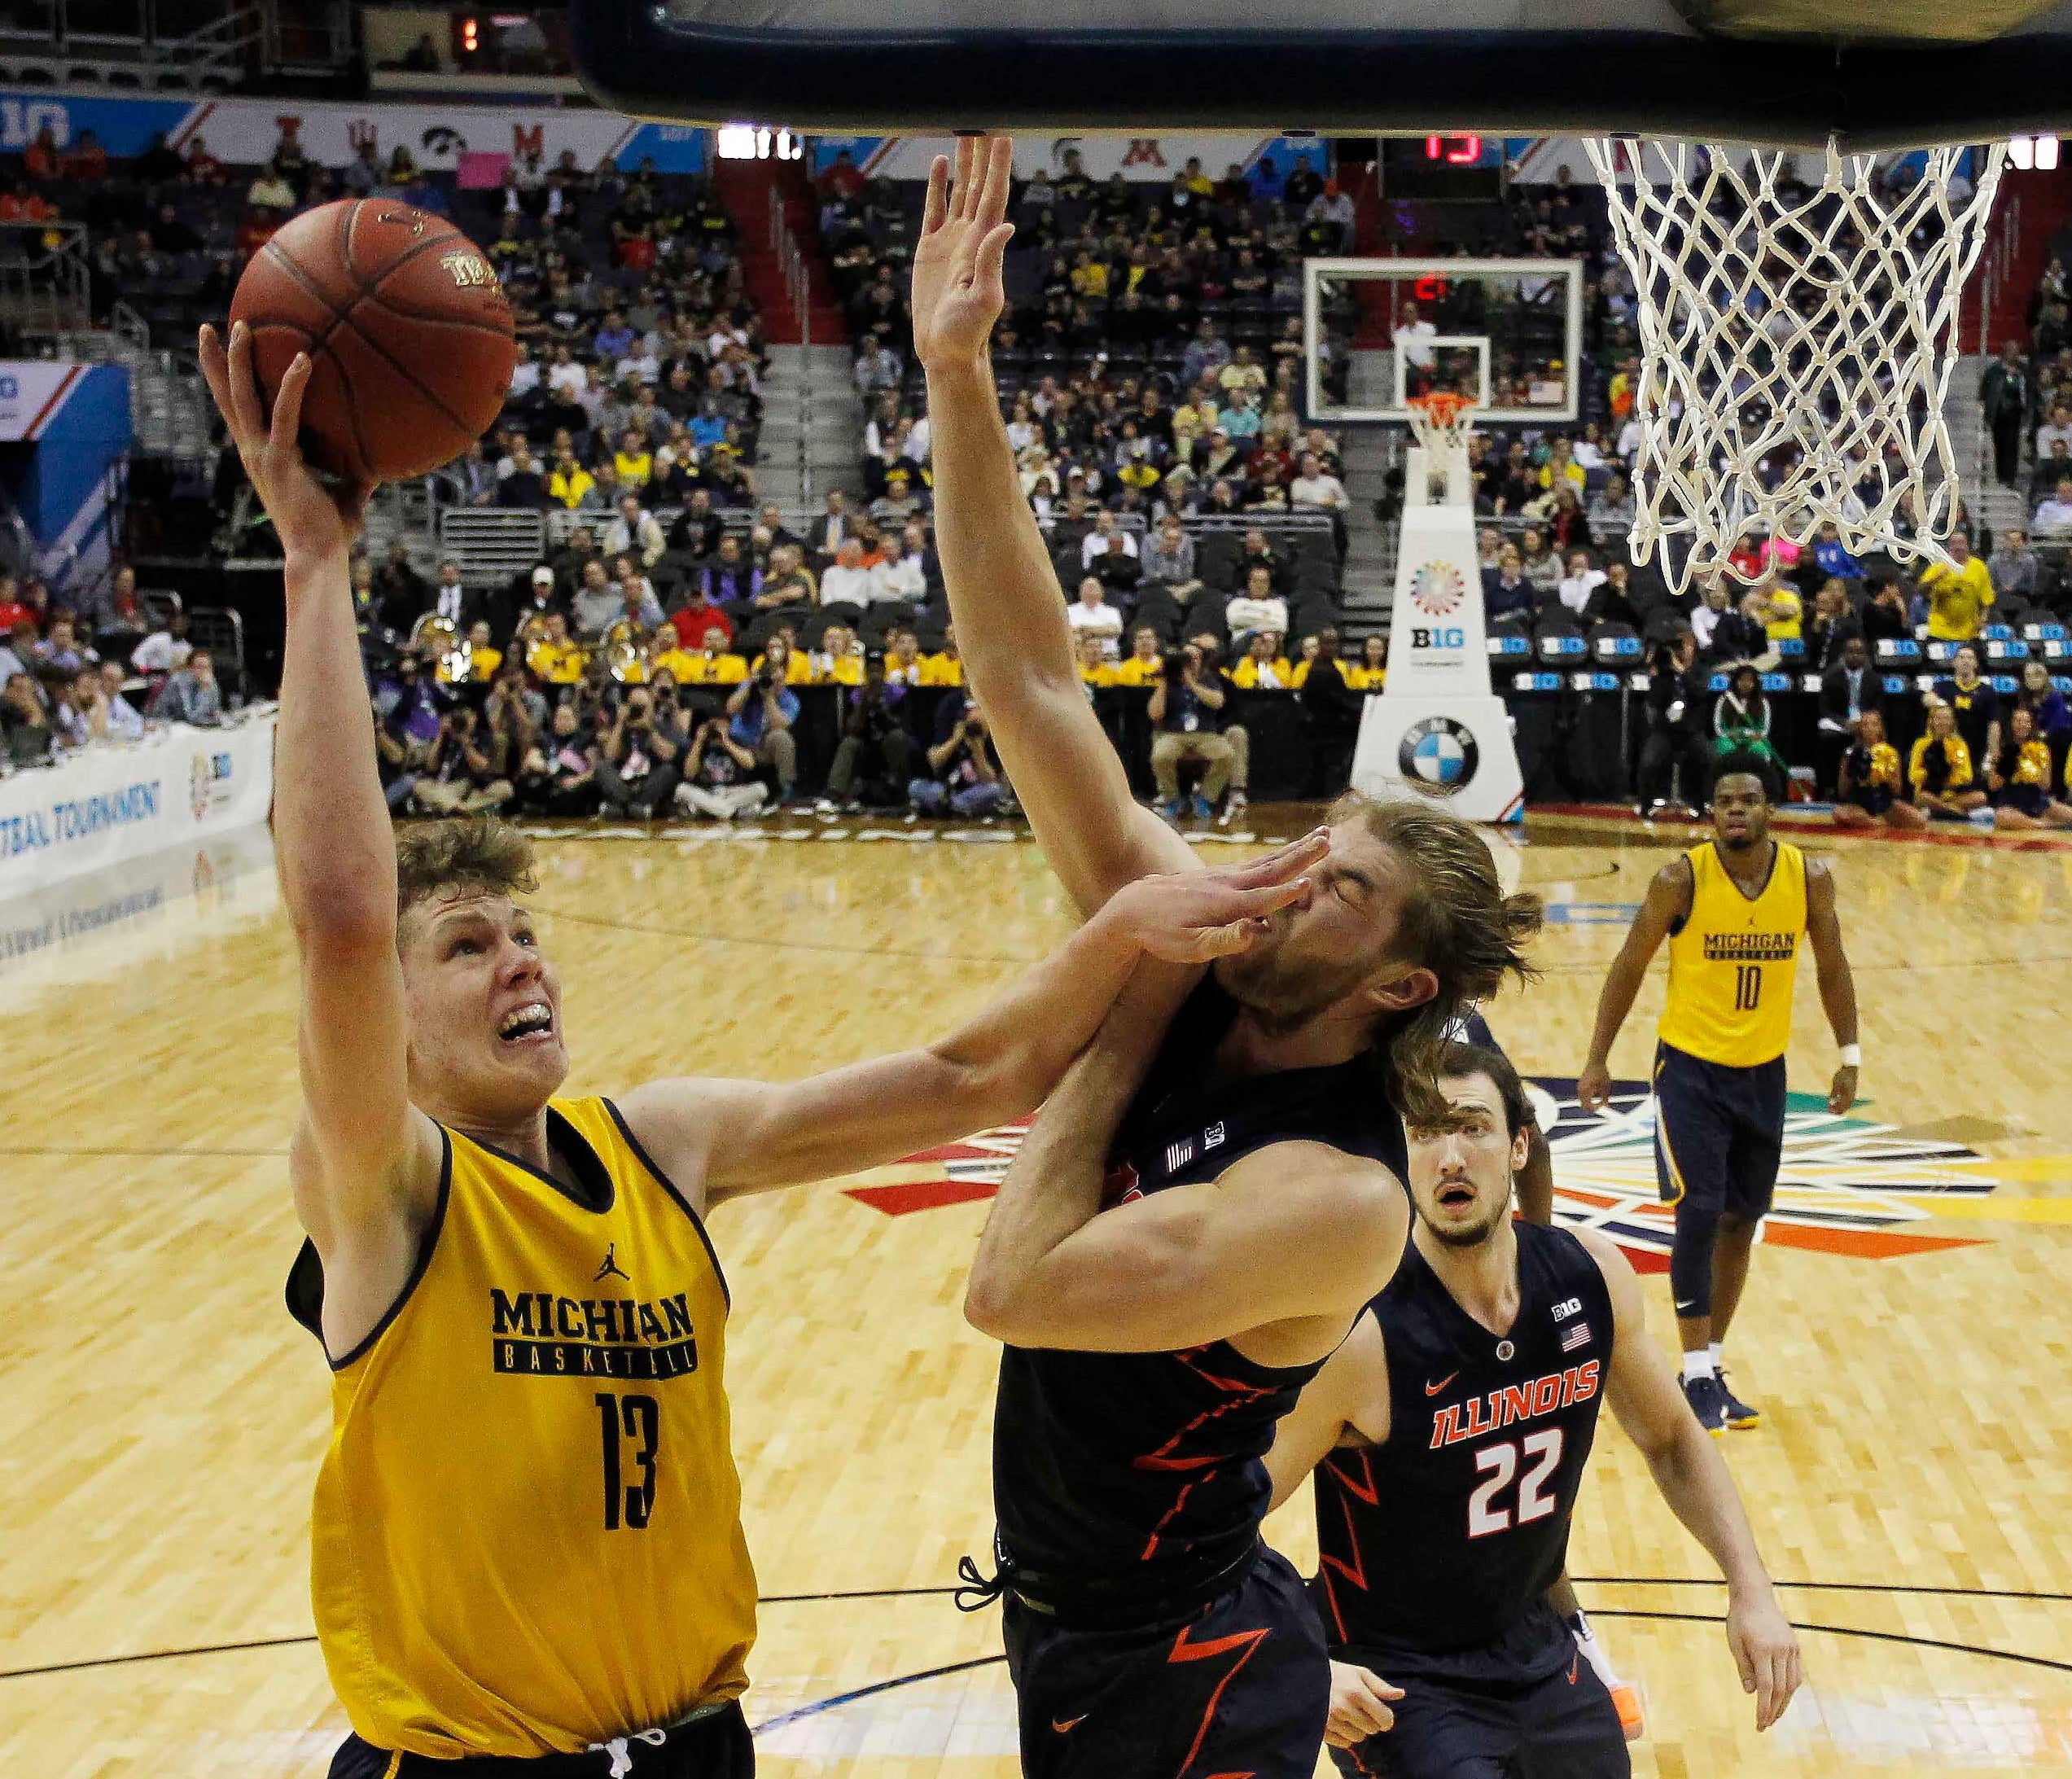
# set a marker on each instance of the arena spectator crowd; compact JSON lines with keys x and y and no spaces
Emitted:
{"x":684,"y":649}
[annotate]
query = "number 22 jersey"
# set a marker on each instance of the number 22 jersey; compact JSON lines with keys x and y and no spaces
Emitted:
{"x":526,"y":1530}
{"x":1437,"y":1546}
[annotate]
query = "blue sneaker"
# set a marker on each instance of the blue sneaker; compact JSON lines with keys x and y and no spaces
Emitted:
{"x":1203,"y":809}
{"x":1173,"y":811}
{"x":1740,"y":1416}
{"x":1707,"y":1397}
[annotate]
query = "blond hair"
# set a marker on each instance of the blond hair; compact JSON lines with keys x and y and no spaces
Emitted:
{"x":1456,"y":921}
{"x":475,"y":852}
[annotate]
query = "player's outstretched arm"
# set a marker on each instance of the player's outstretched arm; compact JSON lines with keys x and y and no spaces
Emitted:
{"x":361,"y":1159}
{"x":1293,"y":1232}
{"x":1668,"y":898}
{"x":1838,"y":980}
{"x":1011,"y":632}
{"x":1694,"y":1481}
{"x":739,"y":1137}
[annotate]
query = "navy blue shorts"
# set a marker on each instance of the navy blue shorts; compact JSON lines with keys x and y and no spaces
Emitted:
{"x":1719,"y":1133}
{"x":715,"y":1747}
{"x":1562,"y":1727}
{"x":1242,"y":1687}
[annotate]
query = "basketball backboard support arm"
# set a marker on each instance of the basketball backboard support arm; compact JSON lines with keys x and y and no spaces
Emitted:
{"x":1399,"y":66}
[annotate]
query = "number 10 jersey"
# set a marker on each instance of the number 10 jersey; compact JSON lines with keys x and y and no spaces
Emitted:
{"x":527,"y":1531}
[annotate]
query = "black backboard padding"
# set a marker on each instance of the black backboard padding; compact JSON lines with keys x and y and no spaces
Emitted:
{"x":1509,"y":82}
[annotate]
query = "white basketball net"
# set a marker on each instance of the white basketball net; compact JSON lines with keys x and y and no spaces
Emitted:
{"x":1795,"y":350}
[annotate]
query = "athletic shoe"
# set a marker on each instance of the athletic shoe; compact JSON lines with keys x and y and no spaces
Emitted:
{"x":1234,"y":806}
{"x":1202,"y":809}
{"x":1708,"y":1399}
{"x":1739,"y":1415}
{"x":1174,"y":811}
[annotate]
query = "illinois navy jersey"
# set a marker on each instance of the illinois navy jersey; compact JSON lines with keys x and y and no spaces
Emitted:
{"x":1441,"y":1542}
{"x":1149,"y":1464}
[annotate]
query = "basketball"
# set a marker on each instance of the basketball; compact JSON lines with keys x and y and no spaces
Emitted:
{"x":407,"y":330}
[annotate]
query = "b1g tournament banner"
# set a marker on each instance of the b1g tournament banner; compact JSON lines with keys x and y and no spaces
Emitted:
{"x":105,"y":806}
{"x":1437,"y":731}
{"x":244,"y":131}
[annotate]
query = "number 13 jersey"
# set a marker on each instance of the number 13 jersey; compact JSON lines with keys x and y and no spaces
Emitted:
{"x":526,"y":1530}
{"x":1733,"y":962}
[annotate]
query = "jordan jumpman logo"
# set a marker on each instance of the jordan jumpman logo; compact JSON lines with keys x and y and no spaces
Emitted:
{"x":611,"y":1268}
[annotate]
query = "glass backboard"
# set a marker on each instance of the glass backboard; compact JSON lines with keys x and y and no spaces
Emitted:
{"x":1506,"y":334}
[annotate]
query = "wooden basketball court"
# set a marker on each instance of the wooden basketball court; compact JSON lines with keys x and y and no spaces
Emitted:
{"x":162,"y":1419}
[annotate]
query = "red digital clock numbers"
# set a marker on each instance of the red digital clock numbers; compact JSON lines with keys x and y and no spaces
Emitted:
{"x":1455,"y":151}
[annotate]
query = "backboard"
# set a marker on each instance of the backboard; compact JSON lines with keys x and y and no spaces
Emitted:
{"x":1506,"y":334}
{"x":1868,"y":73}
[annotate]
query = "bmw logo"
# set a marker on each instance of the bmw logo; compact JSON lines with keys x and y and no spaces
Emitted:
{"x":1438,"y":754}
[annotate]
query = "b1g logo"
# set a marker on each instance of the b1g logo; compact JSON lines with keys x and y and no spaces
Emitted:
{"x":1452,"y":637}
{"x":1439,"y":753}
{"x":1437,"y":589}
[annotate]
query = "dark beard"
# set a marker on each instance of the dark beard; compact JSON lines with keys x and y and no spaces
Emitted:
{"x":1741,"y":843}
{"x":1467,"y":1238}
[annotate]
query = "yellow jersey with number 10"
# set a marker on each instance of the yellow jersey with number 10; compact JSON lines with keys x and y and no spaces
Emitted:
{"x":526,"y":1532}
{"x":1734,"y":962}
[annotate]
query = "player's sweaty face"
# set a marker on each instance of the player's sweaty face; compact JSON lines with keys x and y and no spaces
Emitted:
{"x":484,"y":1006}
{"x":1460,"y":1180}
{"x":1317,"y":953}
{"x":1741,"y":811}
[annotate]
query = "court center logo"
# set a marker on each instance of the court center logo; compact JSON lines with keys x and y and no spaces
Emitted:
{"x":1439,"y":755}
{"x":1849,"y":1186}
{"x":1437,"y":588}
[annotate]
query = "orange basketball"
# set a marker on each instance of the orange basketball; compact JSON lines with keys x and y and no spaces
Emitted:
{"x":407,"y":331}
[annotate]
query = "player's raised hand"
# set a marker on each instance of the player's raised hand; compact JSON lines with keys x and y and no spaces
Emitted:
{"x":1194,"y":917}
{"x":1765,"y":1650}
{"x":1359,"y":1706}
{"x":311,"y":518}
{"x":1841,"y":1095}
{"x":959,"y":291}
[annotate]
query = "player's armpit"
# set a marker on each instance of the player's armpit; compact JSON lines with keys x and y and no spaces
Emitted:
{"x":1293,"y":1232}
{"x":1640,"y":1388}
{"x":1345,"y":1402}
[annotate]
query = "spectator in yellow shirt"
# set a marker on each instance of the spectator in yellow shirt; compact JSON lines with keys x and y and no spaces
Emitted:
{"x":571,"y":483}
{"x":1146,"y":664}
{"x":1370,"y":672}
{"x":1778,"y":609}
{"x":778,"y":652}
{"x":1096,"y":670}
{"x":633,"y":461}
{"x":944,"y":668}
{"x":837,"y":661}
{"x":1561,"y":465}
{"x":1958,"y":596}
{"x":1263,"y":668}
{"x":554,"y":659}
{"x":714,"y":664}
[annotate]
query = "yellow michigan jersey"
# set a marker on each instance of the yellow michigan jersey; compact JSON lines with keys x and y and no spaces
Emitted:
{"x":1734,"y":962}
{"x":527,"y":1531}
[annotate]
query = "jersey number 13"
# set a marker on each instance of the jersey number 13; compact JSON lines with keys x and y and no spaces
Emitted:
{"x":632,"y":1427}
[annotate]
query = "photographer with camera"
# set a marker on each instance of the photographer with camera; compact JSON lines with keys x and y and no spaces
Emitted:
{"x":967,"y":777}
{"x":876,"y":749}
{"x":460,"y":777}
{"x":637,"y":769}
{"x":1186,"y":711}
{"x":1679,"y":702}
{"x":719,"y":775}
{"x":761,"y":712}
